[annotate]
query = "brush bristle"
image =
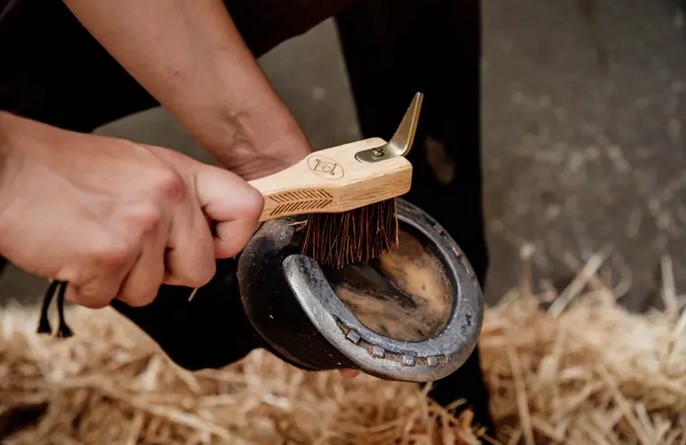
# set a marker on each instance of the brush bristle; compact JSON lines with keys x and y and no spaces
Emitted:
{"x":357,"y":236}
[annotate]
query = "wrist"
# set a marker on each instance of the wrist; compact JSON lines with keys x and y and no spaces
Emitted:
{"x":254,"y":139}
{"x":263,"y":155}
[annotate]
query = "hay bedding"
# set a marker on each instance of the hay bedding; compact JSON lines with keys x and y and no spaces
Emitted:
{"x":579,"y":371}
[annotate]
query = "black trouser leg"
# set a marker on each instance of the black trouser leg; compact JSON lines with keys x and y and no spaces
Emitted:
{"x":394,"y":48}
{"x":54,"y":72}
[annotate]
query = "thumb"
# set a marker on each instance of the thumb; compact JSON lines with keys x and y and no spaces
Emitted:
{"x":232,"y":204}
{"x":227,"y":200}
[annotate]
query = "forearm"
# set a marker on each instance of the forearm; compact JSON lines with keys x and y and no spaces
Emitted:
{"x":3,"y":147}
{"x":11,"y":126}
{"x":190,"y":57}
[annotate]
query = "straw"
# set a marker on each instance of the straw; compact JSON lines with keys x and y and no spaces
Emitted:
{"x":585,"y":372}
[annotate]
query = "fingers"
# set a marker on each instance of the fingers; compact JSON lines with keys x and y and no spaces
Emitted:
{"x":165,"y":234}
{"x":190,"y":258}
{"x":225,"y":198}
{"x":125,"y":260}
{"x":141,"y":285}
{"x":97,"y":278}
{"x":232,"y":236}
{"x":233,"y":204}
{"x":94,"y":294}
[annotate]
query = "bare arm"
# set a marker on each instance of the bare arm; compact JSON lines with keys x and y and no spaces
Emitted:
{"x":190,"y":57}
{"x":112,"y":218}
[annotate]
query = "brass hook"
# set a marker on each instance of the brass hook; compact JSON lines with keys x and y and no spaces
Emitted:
{"x":401,"y":142}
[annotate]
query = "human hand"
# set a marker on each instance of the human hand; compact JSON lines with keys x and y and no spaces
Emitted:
{"x":113,"y":218}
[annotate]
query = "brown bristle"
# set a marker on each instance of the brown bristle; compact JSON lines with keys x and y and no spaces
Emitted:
{"x":339,"y":239}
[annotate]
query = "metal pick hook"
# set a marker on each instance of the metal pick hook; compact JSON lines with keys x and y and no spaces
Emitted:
{"x":401,"y":142}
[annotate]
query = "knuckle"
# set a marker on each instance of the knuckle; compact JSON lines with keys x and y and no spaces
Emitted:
{"x":88,"y":296}
{"x":226,"y":250}
{"x":254,"y":203}
{"x":91,"y":303}
{"x":234,"y":246}
{"x":146,"y":218}
{"x":168,"y":184}
{"x":139,"y":300}
{"x":142,"y":285}
{"x":111,"y":253}
{"x":207,"y":273}
{"x":202,"y":275}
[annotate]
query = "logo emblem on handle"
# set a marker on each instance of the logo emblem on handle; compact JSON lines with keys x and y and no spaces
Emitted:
{"x":325,"y":167}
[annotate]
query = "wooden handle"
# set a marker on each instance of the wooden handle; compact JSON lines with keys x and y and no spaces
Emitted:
{"x":332,"y":180}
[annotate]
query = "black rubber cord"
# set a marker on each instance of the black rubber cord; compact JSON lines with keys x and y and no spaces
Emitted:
{"x":63,"y":330}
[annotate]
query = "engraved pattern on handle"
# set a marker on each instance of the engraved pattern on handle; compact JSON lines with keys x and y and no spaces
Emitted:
{"x":300,"y":200}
